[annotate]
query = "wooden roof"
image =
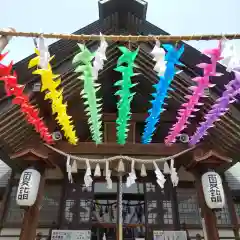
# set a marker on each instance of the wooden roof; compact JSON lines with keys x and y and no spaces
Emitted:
{"x":15,"y":133}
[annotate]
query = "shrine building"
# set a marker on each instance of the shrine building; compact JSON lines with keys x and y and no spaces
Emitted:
{"x":147,"y":210}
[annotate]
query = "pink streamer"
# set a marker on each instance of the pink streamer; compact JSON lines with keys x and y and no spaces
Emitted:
{"x":187,"y":109}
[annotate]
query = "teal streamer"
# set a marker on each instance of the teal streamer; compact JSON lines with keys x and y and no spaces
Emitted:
{"x":89,"y":92}
{"x":125,"y":66}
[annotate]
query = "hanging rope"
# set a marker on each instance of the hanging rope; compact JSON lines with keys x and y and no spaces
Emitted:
{"x":131,"y":38}
{"x":120,"y":209}
{"x":130,"y":159}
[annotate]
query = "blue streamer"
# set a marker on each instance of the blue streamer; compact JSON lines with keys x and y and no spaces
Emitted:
{"x":162,"y":87}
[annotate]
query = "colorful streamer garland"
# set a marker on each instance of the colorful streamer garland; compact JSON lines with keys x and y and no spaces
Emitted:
{"x":50,"y":83}
{"x":218,"y":109}
{"x":198,"y":91}
{"x":172,"y":58}
{"x":125,"y":96}
{"x":90,"y":89}
{"x":16,"y":90}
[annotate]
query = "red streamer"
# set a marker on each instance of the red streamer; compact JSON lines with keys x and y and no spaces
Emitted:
{"x":12,"y":88}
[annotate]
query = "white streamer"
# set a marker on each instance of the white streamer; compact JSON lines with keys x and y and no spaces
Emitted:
{"x":87,"y":177}
{"x":69,"y":169}
{"x":143,"y":171}
{"x":174,"y":175}
{"x":131,"y":179}
{"x":44,"y":55}
{"x":159,"y":58}
{"x":231,"y":58}
{"x":100,"y":56}
{"x":97,"y":172}
{"x":108,"y":176}
{"x":160,"y":177}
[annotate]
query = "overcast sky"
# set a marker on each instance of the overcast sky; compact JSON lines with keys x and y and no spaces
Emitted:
{"x":174,"y":16}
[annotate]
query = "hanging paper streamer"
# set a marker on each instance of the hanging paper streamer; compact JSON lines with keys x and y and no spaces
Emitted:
{"x":89,"y":92}
{"x":160,"y":177}
{"x":218,"y":109}
{"x":173,"y":174}
{"x":97,"y":172}
{"x":108,"y":176}
{"x":87,"y":177}
{"x":159,"y":57}
{"x":188,"y":108}
{"x":131,"y":179}
{"x":162,"y":87}
{"x":69,"y":169}
{"x":230,"y":55}
{"x":125,"y":95}
{"x":99,"y":57}
{"x":50,"y":83}
{"x":16,"y":90}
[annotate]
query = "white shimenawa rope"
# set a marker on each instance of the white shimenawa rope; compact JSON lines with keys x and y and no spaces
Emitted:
{"x":126,"y":158}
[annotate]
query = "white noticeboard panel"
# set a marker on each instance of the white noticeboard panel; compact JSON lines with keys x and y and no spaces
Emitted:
{"x":169,"y":235}
{"x":71,"y":235}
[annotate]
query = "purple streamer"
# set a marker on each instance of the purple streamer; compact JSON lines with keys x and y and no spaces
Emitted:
{"x":218,"y":109}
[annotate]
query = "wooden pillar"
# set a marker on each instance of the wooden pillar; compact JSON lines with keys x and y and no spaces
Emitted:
{"x":31,"y":215}
{"x":203,"y":160}
{"x":231,"y":207}
{"x":206,"y":213}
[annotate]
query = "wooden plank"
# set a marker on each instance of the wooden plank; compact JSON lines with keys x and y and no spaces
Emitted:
{"x":153,"y":149}
{"x":110,"y":132}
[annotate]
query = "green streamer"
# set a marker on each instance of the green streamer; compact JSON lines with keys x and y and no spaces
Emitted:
{"x":125,"y":66}
{"x":89,"y":92}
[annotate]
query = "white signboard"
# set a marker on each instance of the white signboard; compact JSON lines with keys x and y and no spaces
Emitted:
{"x":71,"y":235}
{"x":169,"y":235}
{"x":28,"y":187}
{"x":213,"y":190}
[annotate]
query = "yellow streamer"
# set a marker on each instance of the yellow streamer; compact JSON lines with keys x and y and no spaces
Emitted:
{"x":50,"y":83}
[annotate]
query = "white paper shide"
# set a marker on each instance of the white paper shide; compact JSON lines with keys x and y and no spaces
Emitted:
{"x":213,"y":190}
{"x":28,"y":187}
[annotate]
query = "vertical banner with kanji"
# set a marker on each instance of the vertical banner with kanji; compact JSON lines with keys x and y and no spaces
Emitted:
{"x":213,"y":190}
{"x":28,"y":187}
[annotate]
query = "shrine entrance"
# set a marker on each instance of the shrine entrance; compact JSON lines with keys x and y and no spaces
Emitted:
{"x":144,"y":206}
{"x":105,"y":211}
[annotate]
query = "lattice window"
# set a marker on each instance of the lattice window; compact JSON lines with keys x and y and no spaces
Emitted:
{"x":68,"y":212}
{"x":49,"y":208}
{"x":223,"y":216}
{"x":150,"y":187}
{"x":167,"y":208}
{"x":237,"y":208}
{"x":188,"y":206}
{"x":152,"y":216}
{"x":159,"y":206}
{"x":85,"y":209}
{"x":14,"y":214}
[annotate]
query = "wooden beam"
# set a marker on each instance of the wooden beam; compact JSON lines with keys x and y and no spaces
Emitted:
{"x":111,"y":117}
{"x":90,"y":148}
